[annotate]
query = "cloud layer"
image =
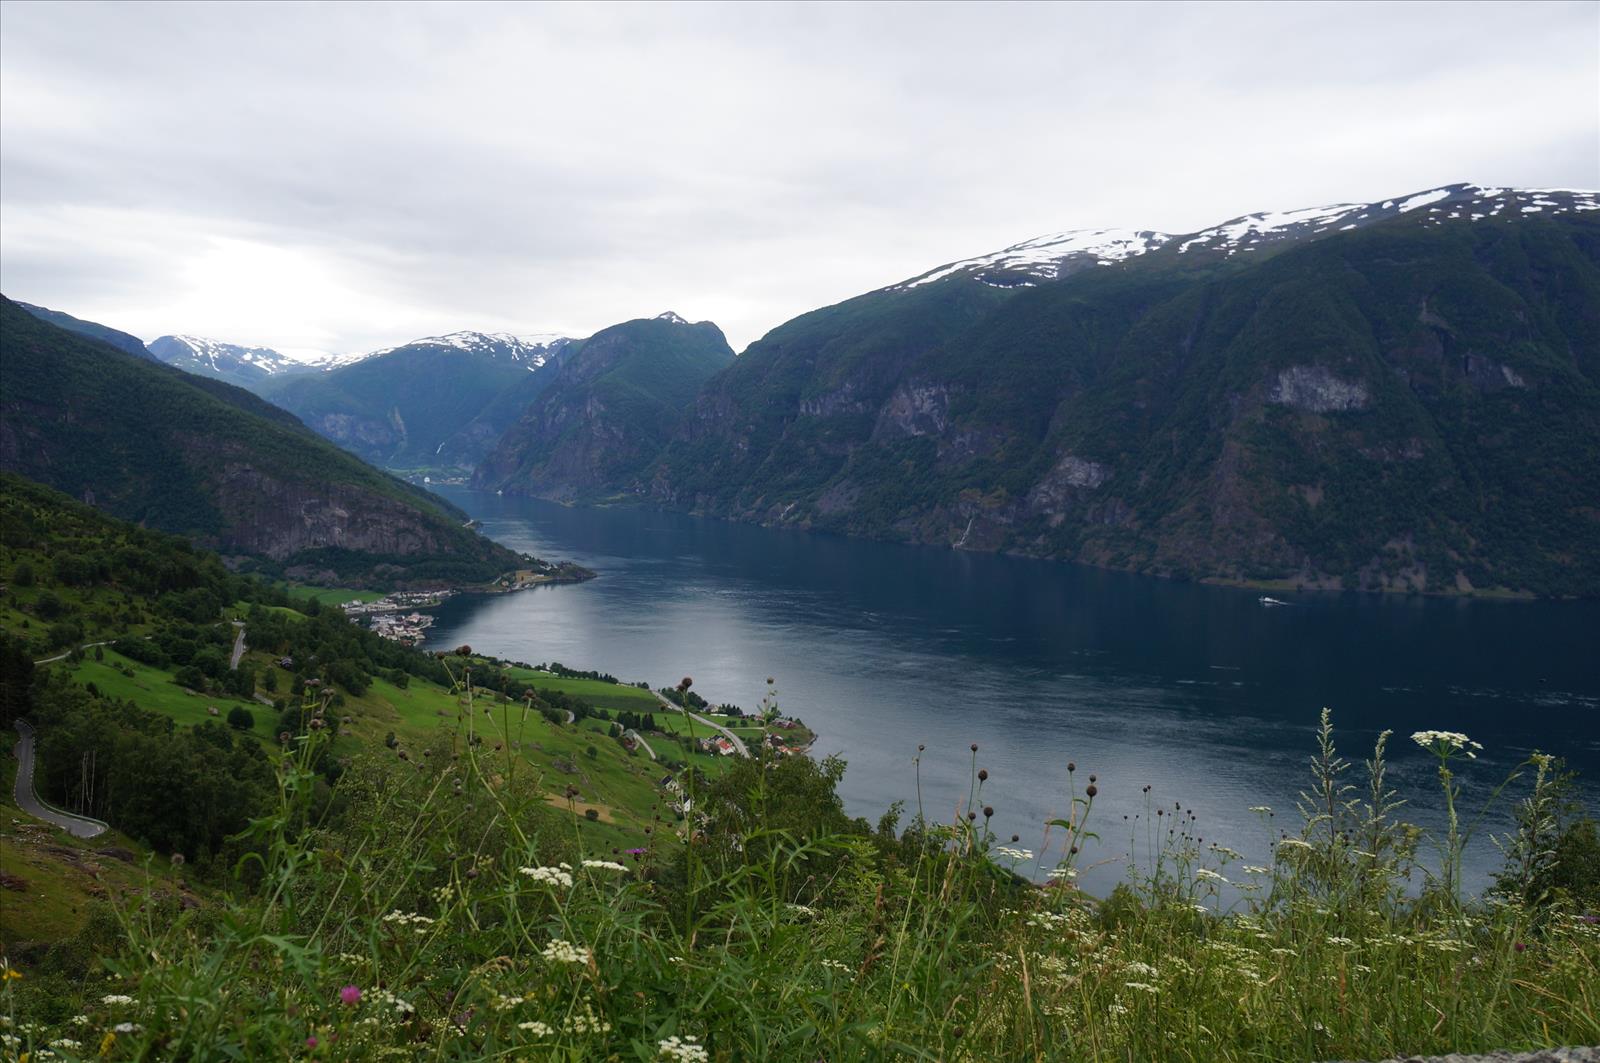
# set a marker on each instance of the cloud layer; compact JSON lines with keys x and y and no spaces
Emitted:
{"x":347,"y":177}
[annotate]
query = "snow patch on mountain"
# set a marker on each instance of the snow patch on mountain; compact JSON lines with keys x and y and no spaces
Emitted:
{"x":1045,"y":257}
{"x":1056,"y":255}
{"x":532,"y":350}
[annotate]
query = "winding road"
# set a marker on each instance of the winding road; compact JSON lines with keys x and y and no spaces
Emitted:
{"x":238,"y":646}
{"x":738,"y":744}
{"x":28,"y":800}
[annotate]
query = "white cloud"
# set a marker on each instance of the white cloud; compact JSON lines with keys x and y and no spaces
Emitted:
{"x":347,"y":177}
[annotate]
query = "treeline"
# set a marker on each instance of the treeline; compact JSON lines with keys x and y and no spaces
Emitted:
{"x":179,"y":789}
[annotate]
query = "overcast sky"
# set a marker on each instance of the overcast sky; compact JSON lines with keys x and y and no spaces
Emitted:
{"x":353,"y":176}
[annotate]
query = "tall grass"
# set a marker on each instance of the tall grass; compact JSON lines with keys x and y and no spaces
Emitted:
{"x":434,"y":907}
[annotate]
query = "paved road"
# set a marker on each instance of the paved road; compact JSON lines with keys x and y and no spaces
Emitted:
{"x":637,"y":737}
{"x":738,"y":745}
{"x":238,"y":646}
{"x":64,"y":656}
{"x":29,"y":802}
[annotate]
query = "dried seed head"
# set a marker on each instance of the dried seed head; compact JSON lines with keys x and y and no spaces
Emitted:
{"x":983,"y":774}
{"x":463,"y":650}
{"x":1071,"y":767}
{"x":1091,"y":789}
{"x":1015,"y":838}
{"x":974,"y":747}
{"x":1094,"y":778}
{"x":988,"y":811}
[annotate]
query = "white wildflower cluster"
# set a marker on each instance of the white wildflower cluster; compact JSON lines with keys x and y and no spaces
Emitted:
{"x":550,"y":876}
{"x":1261,"y":810}
{"x":605,"y":865}
{"x":1341,"y":942}
{"x":588,"y":1022}
{"x":501,"y":1002}
{"x":116,"y":999}
{"x":1446,"y":743}
{"x":839,"y":966}
{"x":1143,"y":987}
{"x":419,"y":923}
{"x":537,"y":1028}
{"x":1257,"y":869}
{"x":66,"y":1044}
{"x":1011,"y":853}
{"x":10,"y":1040}
{"x":126,"y":1027}
{"x":801,"y":909}
{"x":400,"y":1007}
{"x":352,"y":959}
{"x":444,"y":894}
{"x":1295,"y":843}
{"x":79,"y":1020}
{"x":1059,"y":873}
{"x":1139,"y":970}
{"x":559,"y":951}
{"x":682,"y":1050}
{"x":1205,"y":874}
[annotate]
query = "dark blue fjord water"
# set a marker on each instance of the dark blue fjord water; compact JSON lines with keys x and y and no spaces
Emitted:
{"x":1199,"y":692}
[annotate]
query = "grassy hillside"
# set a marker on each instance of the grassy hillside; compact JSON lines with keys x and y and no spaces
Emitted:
{"x":211,"y":462}
{"x":411,"y":854}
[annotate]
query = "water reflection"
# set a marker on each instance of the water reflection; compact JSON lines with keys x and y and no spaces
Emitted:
{"x":1198,"y":691}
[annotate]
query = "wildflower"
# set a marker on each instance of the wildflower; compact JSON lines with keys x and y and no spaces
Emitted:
{"x":126,"y":1027}
{"x":66,"y":1044}
{"x":1342,"y":942}
{"x":115,"y":999}
{"x":1062,"y":872}
{"x":1256,"y":869}
{"x":801,"y":909}
{"x":559,"y":951}
{"x":1205,"y":874}
{"x":312,"y":1042}
{"x":350,"y":994}
{"x":588,"y":1022}
{"x":1294,"y":843}
{"x":1143,"y":987}
{"x":537,"y":1028}
{"x":79,"y":1020}
{"x":682,"y":1050}
{"x":1015,"y":854}
{"x":1142,"y":970}
{"x":1261,"y":809}
{"x":1446,"y":743}
{"x":401,"y":1007}
{"x":550,"y":876}
{"x":604,"y":865}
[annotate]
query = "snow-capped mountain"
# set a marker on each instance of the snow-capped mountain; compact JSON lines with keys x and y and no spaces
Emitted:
{"x":1058,"y":255}
{"x":530,"y":351}
{"x":227,"y":361}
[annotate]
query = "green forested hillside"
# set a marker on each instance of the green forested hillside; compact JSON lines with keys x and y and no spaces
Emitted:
{"x":1414,"y":404}
{"x":122,"y":341}
{"x":206,"y":460}
{"x":428,"y":404}
{"x":617,"y":398}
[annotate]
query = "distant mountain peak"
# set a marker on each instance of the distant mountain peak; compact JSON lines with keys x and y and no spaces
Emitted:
{"x":533,"y":350}
{"x":671,"y":318}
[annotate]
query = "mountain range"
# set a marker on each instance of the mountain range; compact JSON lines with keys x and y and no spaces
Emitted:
{"x":1393,"y":395}
{"x":202,"y":458}
{"x":1397,"y":395}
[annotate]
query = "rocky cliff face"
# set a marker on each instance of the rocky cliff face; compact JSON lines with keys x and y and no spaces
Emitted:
{"x":607,"y":411}
{"x":1412,"y":405}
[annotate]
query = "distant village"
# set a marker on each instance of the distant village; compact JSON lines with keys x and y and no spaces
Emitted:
{"x":389,"y":618}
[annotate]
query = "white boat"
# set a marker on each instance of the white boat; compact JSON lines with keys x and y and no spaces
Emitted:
{"x":1269,"y":602}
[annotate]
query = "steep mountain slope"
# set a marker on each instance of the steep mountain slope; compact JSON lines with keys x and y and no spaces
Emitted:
{"x":610,"y":407}
{"x":122,"y":341}
{"x":1395,"y":395}
{"x":438,"y":402}
{"x":152,"y":445}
